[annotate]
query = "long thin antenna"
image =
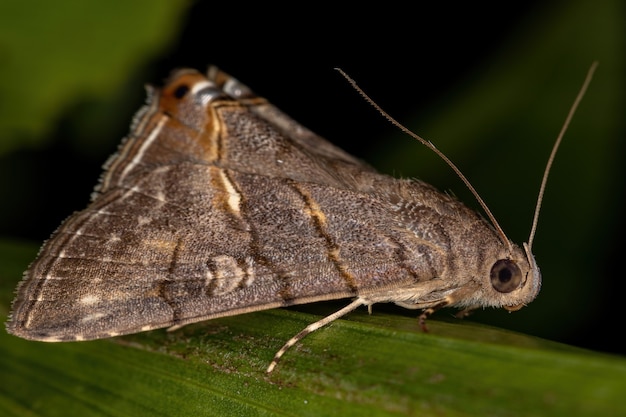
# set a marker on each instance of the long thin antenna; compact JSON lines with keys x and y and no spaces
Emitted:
{"x":432,"y":147}
{"x":546,"y":172}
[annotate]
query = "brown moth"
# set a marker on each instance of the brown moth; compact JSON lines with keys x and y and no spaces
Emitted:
{"x":218,"y":204}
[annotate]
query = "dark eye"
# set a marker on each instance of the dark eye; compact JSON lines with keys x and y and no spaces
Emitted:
{"x":505,"y":275}
{"x":181,"y":90}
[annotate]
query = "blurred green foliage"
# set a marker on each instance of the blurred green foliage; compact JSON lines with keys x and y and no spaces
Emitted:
{"x":54,"y":53}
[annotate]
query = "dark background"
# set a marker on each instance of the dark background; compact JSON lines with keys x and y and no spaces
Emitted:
{"x":490,"y":84}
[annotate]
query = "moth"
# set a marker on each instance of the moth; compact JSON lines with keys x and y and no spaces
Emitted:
{"x":218,"y":204}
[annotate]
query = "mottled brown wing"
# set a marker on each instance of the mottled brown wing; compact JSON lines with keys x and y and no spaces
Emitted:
{"x":216,"y":204}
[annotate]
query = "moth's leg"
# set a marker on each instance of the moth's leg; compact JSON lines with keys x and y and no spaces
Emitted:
{"x":427,"y":312}
{"x":313,"y":327}
{"x":448,"y":300}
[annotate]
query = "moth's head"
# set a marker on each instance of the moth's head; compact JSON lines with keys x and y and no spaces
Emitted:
{"x":510,"y":280}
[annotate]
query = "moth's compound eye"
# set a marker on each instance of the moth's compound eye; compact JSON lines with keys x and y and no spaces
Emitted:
{"x":505,"y":275}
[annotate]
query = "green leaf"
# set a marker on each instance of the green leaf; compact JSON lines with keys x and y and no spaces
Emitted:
{"x":375,"y":365}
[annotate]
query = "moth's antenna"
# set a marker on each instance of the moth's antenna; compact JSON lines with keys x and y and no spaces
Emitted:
{"x":568,"y":119}
{"x":432,"y":147}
